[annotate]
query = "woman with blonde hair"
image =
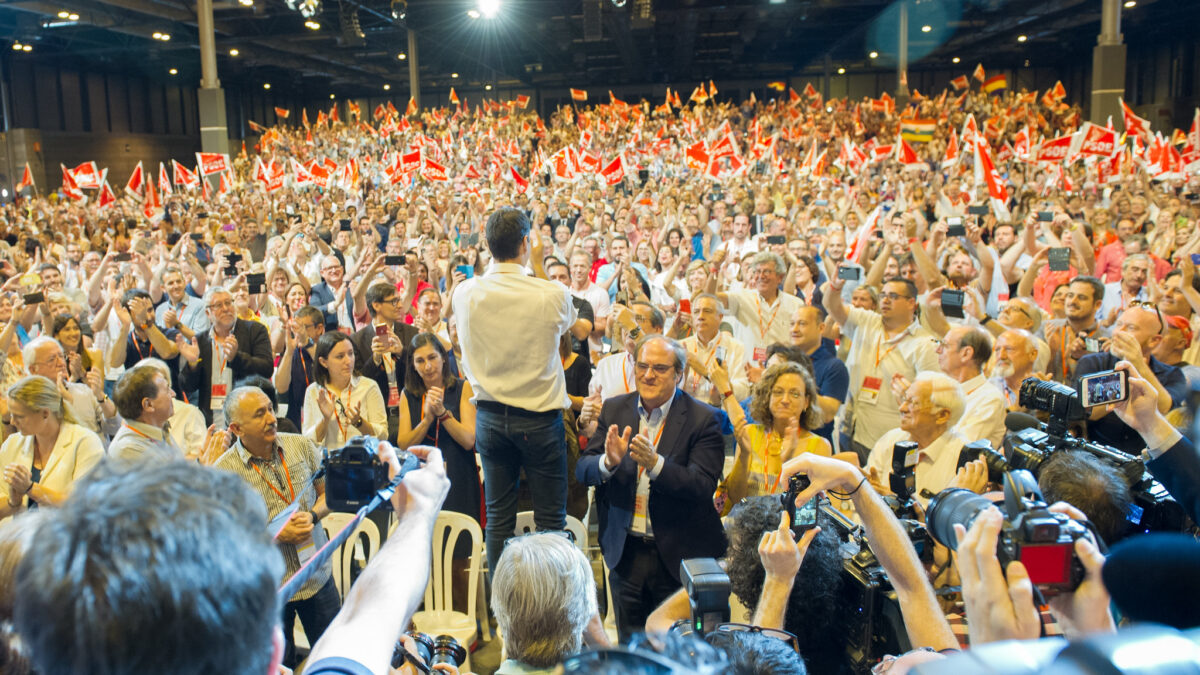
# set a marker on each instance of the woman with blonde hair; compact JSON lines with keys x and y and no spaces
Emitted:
{"x":50,"y":451}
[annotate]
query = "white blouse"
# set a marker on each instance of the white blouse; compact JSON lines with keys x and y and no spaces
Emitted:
{"x":362,"y":392}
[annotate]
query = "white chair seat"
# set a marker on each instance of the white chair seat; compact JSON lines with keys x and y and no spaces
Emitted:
{"x":438,"y":617}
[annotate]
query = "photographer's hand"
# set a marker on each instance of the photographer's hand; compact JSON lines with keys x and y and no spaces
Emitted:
{"x":972,"y":476}
{"x":1085,"y":611}
{"x":781,"y":557}
{"x":997,"y":608}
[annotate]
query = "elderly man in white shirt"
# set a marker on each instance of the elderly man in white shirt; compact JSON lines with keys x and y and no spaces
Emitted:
{"x":509,"y":325}
{"x":962,"y":354}
{"x":709,"y":346}
{"x":766,"y":311}
{"x":931,"y":407}
{"x":89,"y":405}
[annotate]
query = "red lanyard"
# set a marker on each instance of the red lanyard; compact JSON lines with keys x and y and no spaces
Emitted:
{"x":285,"y":472}
{"x":758,"y":308}
{"x":662,"y":425}
{"x":139,"y":433}
{"x":624,"y":375}
{"x":770,"y":489}
{"x":336,"y":415}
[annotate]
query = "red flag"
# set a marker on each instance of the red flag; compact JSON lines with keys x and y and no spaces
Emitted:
{"x":209,"y":163}
{"x":304,"y":117}
{"x":1059,"y":92}
{"x":282,"y":113}
{"x":69,"y":187}
{"x":578,"y":95}
{"x":183,"y":176}
{"x":410,"y":162}
{"x":379,"y":112}
{"x":951,"y":156}
{"x":432,"y":171}
{"x":107,"y":198}
{"x":453,"y":96}
{"x":614,"y":172}
{"x":26,"y":179}
{"x":354,"y":110}
{"x":979,"y":73}
{"x":521,"y":183}
{"x":699,"y":95}
{"x":411,"y":109}
{"x":135,"y":184}
{"x":793,"y":97}
{"x":472,"y":173}
{"x":712,"y":89}
{"x":86,"y":176}
{"x":1054,"y":150}
{"x":960,"y":82}
{"x":522,"y":101}
{"x":333,"y":114}
{"x":810,"y":91}
{"x":908,"y":156}
{"x":1134,"y":125}
{"x":225,"y":186}
{"x":206,"y":193}
{"x":164,"y":180}
{"x":152,"y":208}
{"x":1094,"y":140}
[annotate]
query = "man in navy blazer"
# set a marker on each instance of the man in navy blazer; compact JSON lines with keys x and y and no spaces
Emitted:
{"x":324,"y":296}
{"x":655,"y":460}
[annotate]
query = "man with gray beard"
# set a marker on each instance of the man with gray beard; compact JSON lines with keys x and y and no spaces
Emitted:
{"x":1015,"y":352}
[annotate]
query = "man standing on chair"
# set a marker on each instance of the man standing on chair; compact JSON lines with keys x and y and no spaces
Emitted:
{"x":509,"y":325}
{"x":655,"y":458}
{"x":280,"y":467}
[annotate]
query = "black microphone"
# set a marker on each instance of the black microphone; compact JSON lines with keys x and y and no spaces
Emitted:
{"x":1156,"y":578}
{"x":1019,"y":421}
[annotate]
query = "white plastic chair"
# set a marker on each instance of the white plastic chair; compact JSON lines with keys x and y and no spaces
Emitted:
{"x":439,"y":617}
{"x":578,"y":531}
{"x":343,"y":558}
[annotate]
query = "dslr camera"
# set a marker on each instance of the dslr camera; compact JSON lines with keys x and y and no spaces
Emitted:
{"x":354,"y":474}
{"x":1042,"y":540}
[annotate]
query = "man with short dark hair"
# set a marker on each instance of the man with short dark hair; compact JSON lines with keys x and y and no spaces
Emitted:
{"x":831,"y":375}
{"x":654,"y":485}
{"x":962,"y":354}
{"x":144,"y":399}
{"x":295,"y":370}
{"x":1071,"y":339}
{"x":509,"y":325}
{"x":181,"y":309}
{"x":381,"y":357}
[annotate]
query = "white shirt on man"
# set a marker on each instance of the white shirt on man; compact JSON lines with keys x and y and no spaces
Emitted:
{"x":734,"y":364}
{"x":766,"y":323}
{"x":936,"y":464}
{"x":509,"y":326}
{"x":983,"y":412}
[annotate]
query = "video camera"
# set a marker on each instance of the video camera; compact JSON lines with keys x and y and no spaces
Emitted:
{"x":354,"y":474}
{"x":1030,"y":444}
{"x":1042,"y":540}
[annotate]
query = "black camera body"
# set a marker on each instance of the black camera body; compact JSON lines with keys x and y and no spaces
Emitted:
{"x":902,"y":481}
{"x":805,"y":517}
{"x":1042,"y":540}
{"x":354,"y":474}
{"x":707,"y":586}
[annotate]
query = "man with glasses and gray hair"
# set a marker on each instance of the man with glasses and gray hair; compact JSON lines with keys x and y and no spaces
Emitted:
{"x":655,"y":460}
{"x":228,"y":352}
{"x":885,"y":344}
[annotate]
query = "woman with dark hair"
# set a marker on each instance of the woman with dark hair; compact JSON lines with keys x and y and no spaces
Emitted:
{"x":340,"y":405}
{"x":436,"y":410}
{"x":80,"y":359}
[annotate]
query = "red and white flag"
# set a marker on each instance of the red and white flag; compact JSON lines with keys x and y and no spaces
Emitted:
{"x":87,"y":176}
{"x":209,"y":163}
{"x":152,"y":208}
{"x":579,"y":95}
{"x":282,"y":113}
{"x":615,"y":171}
{"x":136,"y":184}
{"x":521,"y":183}
{"x":951,"y":156}
{"x":26,"y":179}
{"x":1134,"y":125}
{"x":522,"y":101}
{"x":453,"y":96}
{"x":184,"y":176}
{"x":69,"y":187}
{"x":979,"y":73}
{"x":226,"y":185}
{"x":1094,"y":140}
{"x":960,"y":82}
{"x":908,"y":157}
{"x":432,"y":171}
{"x":107,"y":198}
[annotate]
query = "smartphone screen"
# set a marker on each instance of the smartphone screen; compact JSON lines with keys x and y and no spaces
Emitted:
{"x":1045,"y":216}
{"x":849,"y":273}
{"x":1059,"y":259}
{"x":806,"y":514}
{"x":467,"y":270}
{"x":1102,"y":388}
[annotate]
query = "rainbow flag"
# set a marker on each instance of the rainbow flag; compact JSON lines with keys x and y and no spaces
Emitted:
{"x":917,"y":131}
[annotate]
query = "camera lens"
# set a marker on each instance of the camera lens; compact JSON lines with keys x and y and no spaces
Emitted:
{"x":447,"y":650}
{"x":424,"y":645}
{"x":950,"y":506}
{"x":1057,"y":399}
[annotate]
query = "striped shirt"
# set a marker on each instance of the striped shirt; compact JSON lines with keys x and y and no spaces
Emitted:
{"x":270,"y":478}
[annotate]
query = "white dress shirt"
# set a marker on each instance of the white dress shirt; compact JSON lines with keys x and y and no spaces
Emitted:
{"x":613,"y":376}
{"x":735,"y":365}
{"x":984,"y":412}
{"x":509,"y":325}
{"x":936,"y":464}
{"x":766,"y":324}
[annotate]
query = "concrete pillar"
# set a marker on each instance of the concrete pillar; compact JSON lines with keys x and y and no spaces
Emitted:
{"x":902,"y":59}
{"x":1108,"y":67}
{"x":414,"y":68}
{"x":827,"y":75}
{"x":214,"y":132}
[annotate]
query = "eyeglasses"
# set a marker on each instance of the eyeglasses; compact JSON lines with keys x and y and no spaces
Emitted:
{"x":1010,"y":307}
{"x":1150,"y":305}
{"x":894,"y":296}
{"x":794,"y":394}
{"x":776,"y":633}
{"x":658,"y":368}
{"x":220,"y":305}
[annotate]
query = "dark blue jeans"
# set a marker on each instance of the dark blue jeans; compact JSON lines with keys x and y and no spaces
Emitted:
{"x":316,"y":613}
{"x":508,"y":442}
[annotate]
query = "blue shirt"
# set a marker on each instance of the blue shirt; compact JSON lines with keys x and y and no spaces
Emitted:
{"x":833,"y":379}
{"x":607,"y":271}
{"x":191,"y":312}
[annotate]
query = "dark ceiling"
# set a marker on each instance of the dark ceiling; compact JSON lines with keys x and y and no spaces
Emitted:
{"x":561,"y":43}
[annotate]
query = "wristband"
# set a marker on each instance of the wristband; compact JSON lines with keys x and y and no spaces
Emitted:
{"x":444,"y":416}
{"x":727,"y":394}
{"x":315,"y":518}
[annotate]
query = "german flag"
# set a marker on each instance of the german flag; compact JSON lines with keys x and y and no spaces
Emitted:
{"x":995,"y":83}
{"x":917,"y":131}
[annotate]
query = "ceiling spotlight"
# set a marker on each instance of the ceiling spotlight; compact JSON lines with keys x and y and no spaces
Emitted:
{"x":487,"y":87}
{"x":234,"y":52}
{"x":473,"y":13}
{"x":173,"y":71}
{"x":618,"y":3}
{"x":454,"y":75}
{"x":387,"y":87}
{"x":266,"y":85}
{"x":489,"y":8}
{"x":841,"y":71}
{"x":874,"y":55}
{"x":333,"y":96}
{"x":1130,"y":4}
{"x":312,"y":25}
{"x":1021,"y":38}
{"x":926,"y":28}
{"x":402,"y":56}
{"x":955,"y":60}
{"x":26,"y":48}
{"x":16,"y":46}
{"x":157,"y":35}
{"x":64,"y":14}
{"x":246,"y":3}
{"x":399,"y":9}
{"x":307,"y":8}
{"x":73,"y":17}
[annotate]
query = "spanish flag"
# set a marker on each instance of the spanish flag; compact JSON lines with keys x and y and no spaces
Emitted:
{"x":995,"y":83}
{"x":917,"y":131}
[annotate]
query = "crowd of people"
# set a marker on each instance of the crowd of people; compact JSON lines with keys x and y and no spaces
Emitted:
{"x":658,"y":314}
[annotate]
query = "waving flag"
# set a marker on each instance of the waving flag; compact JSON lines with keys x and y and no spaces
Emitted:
{"x":26,"y":179}
{"x":917,"y":131}
{"x":995,"y":83}
{"x":87,"y":176}
{"x":1134,"y":125}
{"x":579,"y":95}
{"x":960,"y":82}
{"x":979,"y":74}
{"x":136,"y":183}
{"x":282,"y":113}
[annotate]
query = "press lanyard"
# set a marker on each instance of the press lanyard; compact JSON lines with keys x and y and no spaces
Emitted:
{"x":879,"y":343}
